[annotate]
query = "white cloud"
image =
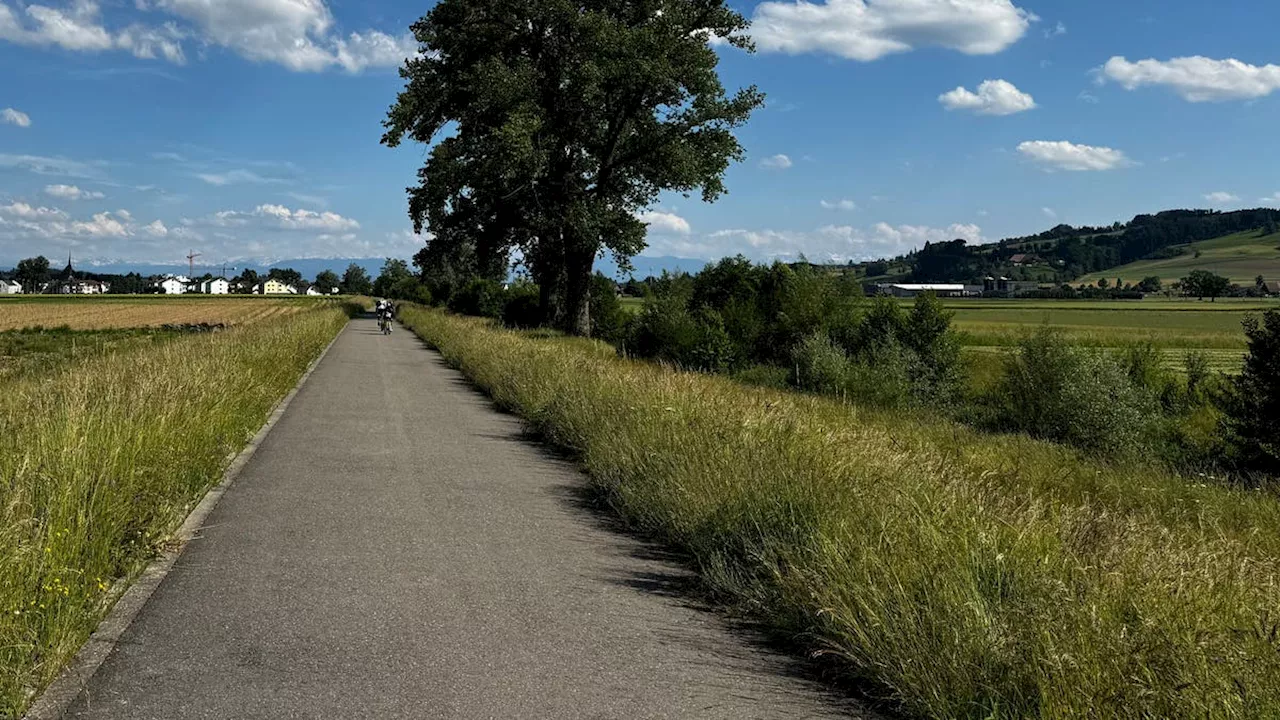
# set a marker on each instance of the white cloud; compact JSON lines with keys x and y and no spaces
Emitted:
{"x":27,"y":222}
{"x":837,"y":243}
{"x":838,"y":205}
{"x":1221,"y":198}
{"x":10,"y":116}
{"x":1056,"y":31}
{"x":1063,"y":155}
{"x":1196,"y":79}
{"x":237,"y":177}
{"x":71,"y":192}
{"x":1271,"y":199}
{"x":279,"y":217}
{"x":298,"y":34}
{"x":315,"y":200}
{"x":1049,"y":213}
{"x":776,"y":162}
{"x":664,"y":222}
{"x":1086,"y":96}
{"x":156,"y":229}
{"x":870,"y":29}
{"x":51,"y":166}
{"x":994,"y":97}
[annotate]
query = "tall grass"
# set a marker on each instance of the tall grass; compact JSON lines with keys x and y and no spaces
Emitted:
{"x":959,"y":574}
{"x":100,"y":461}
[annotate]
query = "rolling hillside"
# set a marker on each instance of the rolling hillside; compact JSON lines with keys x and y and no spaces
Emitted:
{"x":1240,"y":257}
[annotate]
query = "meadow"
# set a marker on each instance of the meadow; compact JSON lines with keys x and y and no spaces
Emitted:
{"x":951,"y":572}
{"x":1240,"y":258}
{"x":103,"y":453}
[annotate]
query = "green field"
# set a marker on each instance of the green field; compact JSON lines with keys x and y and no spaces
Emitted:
{"x":1240,"y":257}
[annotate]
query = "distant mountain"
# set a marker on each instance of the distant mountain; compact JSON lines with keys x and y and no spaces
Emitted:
{"x":651,"y":266}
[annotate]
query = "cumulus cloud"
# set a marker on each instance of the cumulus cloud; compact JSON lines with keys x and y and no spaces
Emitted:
{"x":156,"y":229}
{"x":664,"y":222}
{"x":300,"y":35}
{"x":1195,"y":79}
{"x":776,"y":162}
{"x":71,"y":192}
{"x":1063,"y":155}
{"x":9,"y":116}
{"x":994,"y":97}
{"x":1056,"y":31}
{"x":1221,"y":198}
{"x":22,"y":221}
{"x":867,"y":30}
{"x":836,"y":243}
{"x":838,"y":205}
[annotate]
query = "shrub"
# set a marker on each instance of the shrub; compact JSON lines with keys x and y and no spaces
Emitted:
{"x":1053,"y":390}
{"x":479,"y":297}
{"x":821,"y":365}
{"x":608,"y":319}
{"x":1252,"y":403}
{"x":523,"y":306}
{"x":662,"y":330}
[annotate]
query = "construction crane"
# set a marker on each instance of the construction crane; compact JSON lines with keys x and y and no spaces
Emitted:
{"x":191,"y":263}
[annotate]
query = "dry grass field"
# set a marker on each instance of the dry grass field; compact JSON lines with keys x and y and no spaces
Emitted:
{"x":116,"y":313}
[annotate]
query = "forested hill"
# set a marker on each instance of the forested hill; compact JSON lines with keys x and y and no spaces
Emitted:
{"x":1064,"y":253}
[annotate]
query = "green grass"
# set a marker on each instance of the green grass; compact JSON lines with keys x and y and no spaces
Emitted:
{"x":41,"y":350}
{"x":956,"y":574}
{"x":1240,"y":257}
{"x":101,"y":458}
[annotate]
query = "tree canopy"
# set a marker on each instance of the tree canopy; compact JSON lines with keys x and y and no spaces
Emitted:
{"x":1203,"y":283}
{"x":355,"y":281}
{"x":557,"y":123}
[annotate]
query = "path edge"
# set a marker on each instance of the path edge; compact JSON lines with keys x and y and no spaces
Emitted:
{"x":57,"y":697}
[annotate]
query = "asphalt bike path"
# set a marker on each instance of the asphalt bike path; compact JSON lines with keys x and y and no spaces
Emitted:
{"x":396,"y":548}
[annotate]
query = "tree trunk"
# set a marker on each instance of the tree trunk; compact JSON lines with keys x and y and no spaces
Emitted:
{"x":576,"y":296}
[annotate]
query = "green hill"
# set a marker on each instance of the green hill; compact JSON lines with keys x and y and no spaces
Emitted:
{"x":1240,"y":257}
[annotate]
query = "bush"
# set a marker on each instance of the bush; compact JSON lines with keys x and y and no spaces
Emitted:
{"x":608,"y":319}
{"x":666,"y":330}
{"x":880,"y":377}
{"x":479,"y":297}
{"x":1252,"y":403}
{"x":523,"y":306}
{"x":412,"y":290}
{"x":1053,"y":390}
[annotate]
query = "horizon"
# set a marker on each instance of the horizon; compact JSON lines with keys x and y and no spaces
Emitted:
{"x":250,"y":133}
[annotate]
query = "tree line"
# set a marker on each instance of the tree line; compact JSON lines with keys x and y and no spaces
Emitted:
{"x":804,"y":328}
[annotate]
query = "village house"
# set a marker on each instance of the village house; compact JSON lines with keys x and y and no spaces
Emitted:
{"x":215,"y":286}
{"x":273,"y":287}
{"x":172,"y":286}
{"x":10,"y":287}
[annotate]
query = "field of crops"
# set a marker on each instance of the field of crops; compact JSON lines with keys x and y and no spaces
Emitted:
{"x":94,"y":313}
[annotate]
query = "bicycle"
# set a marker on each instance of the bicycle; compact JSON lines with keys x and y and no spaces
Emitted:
{"x":384,"y":324}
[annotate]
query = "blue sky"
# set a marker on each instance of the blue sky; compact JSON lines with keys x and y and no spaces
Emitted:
{"x":134,"y":130}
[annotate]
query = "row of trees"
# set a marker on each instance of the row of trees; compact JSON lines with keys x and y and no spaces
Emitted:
{"x":555,"y":123}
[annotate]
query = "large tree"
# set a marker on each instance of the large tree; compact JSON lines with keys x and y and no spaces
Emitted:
{"x":327,"y":281}
{"x":1203,"y":283}
{"x":355,"y":281}
{"x":562,"y":121}
{"x":31,"y":273}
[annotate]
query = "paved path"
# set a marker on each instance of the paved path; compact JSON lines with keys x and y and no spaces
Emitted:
{"x":395,"y":549}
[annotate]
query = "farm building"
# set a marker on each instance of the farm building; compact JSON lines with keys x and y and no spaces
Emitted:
{"x":10,"y":287}
{"x":910,"y":290}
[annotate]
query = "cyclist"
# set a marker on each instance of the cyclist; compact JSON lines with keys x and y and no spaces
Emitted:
{"x":386,"y":313}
